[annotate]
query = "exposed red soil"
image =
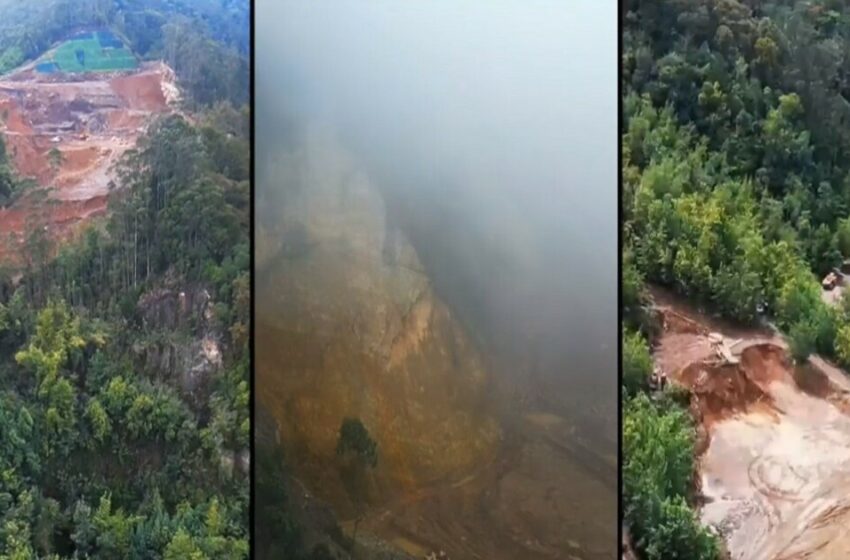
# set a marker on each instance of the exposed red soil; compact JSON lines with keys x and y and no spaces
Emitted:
{"x":722,"y":390}
{"x":676,"y":350}
{"x":718,"y":389}
{"x":29,"y":155}
{"x":141,"y":91}
{"x":91,"y":119}
{"x":13,"y":119}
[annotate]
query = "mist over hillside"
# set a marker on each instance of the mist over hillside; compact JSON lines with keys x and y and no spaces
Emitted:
{"x":475,"y":145}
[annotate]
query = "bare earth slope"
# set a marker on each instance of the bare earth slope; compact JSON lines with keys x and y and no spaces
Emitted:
{"x":776,"y":439}
{"x":91,"y":119}
{"x":351,"y":327}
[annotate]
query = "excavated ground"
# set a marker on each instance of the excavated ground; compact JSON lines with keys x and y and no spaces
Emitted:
{"x":91,"y":119}
{"x":775,"y":438}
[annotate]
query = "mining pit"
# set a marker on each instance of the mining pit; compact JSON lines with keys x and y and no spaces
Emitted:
{"x":89,"y":120}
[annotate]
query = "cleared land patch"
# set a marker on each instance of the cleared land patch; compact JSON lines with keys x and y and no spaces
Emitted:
{"x":95,"y":51}
{"x":66,"y":132}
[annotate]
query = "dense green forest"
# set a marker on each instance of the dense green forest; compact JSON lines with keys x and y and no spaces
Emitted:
{"x":124,"y":361}
{"x":736,"y":194}
{"x":206,"y":42}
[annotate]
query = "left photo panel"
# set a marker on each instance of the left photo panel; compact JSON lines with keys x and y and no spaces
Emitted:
{"x":125,"y":287}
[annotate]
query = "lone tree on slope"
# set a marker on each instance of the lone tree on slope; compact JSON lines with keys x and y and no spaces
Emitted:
{"x":359,"y":454}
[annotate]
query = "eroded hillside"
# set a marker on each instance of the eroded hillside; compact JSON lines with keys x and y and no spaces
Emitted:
{"x":66,"y":131}
{"x":773,"y":437}
{"x":349,"y":326}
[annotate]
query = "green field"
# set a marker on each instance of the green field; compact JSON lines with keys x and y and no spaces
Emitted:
{"x":96,"y":52}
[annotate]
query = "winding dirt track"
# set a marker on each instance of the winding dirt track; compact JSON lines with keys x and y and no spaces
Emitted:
{"x":775,"y":471}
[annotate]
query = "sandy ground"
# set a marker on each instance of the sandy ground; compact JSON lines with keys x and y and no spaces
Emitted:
{"x":91,"y":119}
{"x":774,"y":471}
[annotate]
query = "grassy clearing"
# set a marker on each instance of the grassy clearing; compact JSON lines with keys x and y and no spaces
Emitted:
{"x":92,"y":52}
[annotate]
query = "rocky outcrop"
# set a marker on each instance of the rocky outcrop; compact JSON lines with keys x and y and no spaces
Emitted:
{"x":175,"y":307}
{"x":185,"y":344}
{"x":348,"y":325}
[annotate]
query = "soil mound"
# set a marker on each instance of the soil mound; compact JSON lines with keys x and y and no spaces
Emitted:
{"x":721,"y":391}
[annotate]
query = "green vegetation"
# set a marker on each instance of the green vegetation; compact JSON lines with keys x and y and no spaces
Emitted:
{"x":637,"y":362}
{"x":118,"y":440}
{"x":658,"y":466}
{"x":283,"y":528}
{"x":736,"y":194}
{"x":207,"y":43}
{"x":736,"y":190}
{"x":276,"y":533}
{"x":802,"y":338}
{"x":55,"y":157}
{"x":90,"y":54}
{"x":124,"y":364}
{"x":10,"y":184}
{"x":355,"y":441}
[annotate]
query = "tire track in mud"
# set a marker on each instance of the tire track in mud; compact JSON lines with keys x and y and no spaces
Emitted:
{"x":759,"y":479}
{"x":797,"y":549}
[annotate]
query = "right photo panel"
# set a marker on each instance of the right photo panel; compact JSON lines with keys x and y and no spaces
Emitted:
{"x":735,"y":242}
{"x":436,"y":280}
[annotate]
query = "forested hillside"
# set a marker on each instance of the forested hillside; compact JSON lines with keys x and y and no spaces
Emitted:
{"x":124,"y":363}
{"x":736,"y":194}
{"x":125,"y":373}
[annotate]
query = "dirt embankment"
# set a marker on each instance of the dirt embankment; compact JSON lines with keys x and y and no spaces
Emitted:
{"x":66,"y":132}
{"x":774,"y":438}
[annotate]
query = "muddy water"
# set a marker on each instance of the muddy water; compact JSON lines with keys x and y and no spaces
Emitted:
{"x":776,"y":470}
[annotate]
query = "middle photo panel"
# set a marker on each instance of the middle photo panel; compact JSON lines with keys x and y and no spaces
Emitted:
{"x":436,"y":280}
